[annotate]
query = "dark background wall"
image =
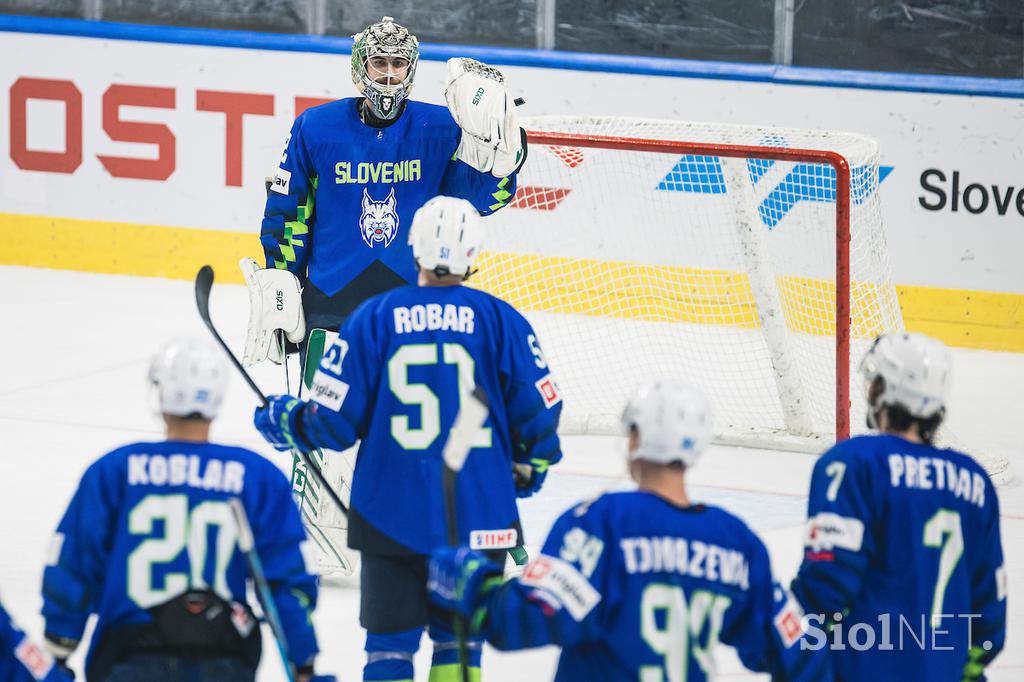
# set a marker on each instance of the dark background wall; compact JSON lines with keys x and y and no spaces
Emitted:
{"x":957,"y":37}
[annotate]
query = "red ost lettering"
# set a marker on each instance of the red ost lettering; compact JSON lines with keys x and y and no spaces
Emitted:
{"x":25,"y":89}
{"x":234,"y":106}
{"x":158,"y":134}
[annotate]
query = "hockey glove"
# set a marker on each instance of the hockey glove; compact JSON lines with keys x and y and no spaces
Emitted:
{"x":278,"y":423}
{"x":479,"y":101}
{"x":275,"y":312}
{"x":460,"y":580}
{"x":529,"y":477}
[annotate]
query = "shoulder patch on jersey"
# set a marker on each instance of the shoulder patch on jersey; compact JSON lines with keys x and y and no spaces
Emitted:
{"x":328,"y":391}
{"x":36,"y":661}
{"x":548,"y":390}
{"x":282,"y":181}
{"x":788,"y":619}
{"x":560,"y":580}
{"x":827,"y":530}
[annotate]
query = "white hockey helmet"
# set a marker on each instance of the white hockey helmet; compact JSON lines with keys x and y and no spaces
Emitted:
{"x":446,"y":236}
{"x":384,"y":39}
{"x":914,"y":370}
{"x":672,"y":420}
{"x":189,"y":378}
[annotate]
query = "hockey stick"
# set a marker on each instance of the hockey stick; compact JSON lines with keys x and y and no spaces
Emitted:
{"x":247,"y":545}
{"x":204,"y":283}
{"x":471,"y":416}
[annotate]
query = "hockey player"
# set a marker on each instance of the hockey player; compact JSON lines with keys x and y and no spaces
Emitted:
{"x":640,"y":585}
{"x":903,"y":568}
{"x":21,"y":660}
{"x":394,"y":379}
{"x":353,"y":174}
{"x":148,"y":544}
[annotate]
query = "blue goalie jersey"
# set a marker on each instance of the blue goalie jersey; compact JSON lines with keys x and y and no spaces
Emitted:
{"x":352,"y":189}
{"x":394,"y":380}
{"x":150,"y":521}
{"x":633,"y":587}
{"x":903,"y":542}
{"x":21,"y":659}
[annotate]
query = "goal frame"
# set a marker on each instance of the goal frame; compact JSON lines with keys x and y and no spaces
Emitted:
{"x":840,"y":165}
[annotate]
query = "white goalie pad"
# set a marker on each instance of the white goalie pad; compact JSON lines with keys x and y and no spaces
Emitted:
{"x":275,"y":308}
{"x":479,"y":101}
{"x":326,"y":526}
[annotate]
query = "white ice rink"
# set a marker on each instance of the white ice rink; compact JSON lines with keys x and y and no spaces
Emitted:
{"x":75,"y":350}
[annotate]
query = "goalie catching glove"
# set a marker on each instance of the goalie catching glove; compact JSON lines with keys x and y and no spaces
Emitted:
{"x":275,"y":309}
{"x":479,"y":101}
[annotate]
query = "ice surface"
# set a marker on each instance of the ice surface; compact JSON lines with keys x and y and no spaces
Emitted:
{"x":75,"y":349}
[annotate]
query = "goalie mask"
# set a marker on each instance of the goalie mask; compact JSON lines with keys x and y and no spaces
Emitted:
{"x":188,"y":379}
{"x":446,"y":236}
{"x":384,"y":88}
{"x":672,"y":421}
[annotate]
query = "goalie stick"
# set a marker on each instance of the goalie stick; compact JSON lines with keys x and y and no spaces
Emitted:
{"x":204,"y":283}
{"x":473,"y":411}
{"x":247,"y":545}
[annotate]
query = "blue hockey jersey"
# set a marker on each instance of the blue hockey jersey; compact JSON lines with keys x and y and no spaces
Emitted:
{"x":345,"y":192}
{"x":150,"y":521}
{"x":899,"y":534}
{"x":633,"y":587}
{"x":21,"y":659}
{"x":394,"y":380}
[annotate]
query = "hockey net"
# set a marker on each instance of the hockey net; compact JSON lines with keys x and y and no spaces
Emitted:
{"x":749,"y":261}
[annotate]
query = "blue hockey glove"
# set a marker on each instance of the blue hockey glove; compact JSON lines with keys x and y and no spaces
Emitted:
{"x":460,"y":580}
{"x":277,"y":422}
{"x":529,"y":477}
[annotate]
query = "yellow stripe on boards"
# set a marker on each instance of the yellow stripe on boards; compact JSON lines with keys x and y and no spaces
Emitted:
{"x":986,"y":320}
{"x":963,"y":318}
{"x":124,"y":248}
{"x":617,"y":289}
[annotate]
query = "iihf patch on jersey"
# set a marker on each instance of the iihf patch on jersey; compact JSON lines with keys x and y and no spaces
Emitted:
{"x":379,"y":220}
{"x":36,"y":661}
{"x":826,"y":531}
{"x":559,"y":579}
{"x":504,"y":538}
{"x":548,"y":390}
{"x":788,"y":620}
{"x":328,"y":391}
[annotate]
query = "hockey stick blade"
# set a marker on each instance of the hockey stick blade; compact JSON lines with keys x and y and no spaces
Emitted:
{"x":204,"y":283}
{"x":472,"y":414}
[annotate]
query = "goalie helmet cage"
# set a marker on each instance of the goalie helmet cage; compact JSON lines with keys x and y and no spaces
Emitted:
{"x":750,"y":261}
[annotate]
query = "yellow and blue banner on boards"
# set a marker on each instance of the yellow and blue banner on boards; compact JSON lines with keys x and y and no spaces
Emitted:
{"x":962,"y":318}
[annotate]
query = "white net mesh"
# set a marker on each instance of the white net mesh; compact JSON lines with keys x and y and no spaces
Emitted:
{"x":720,"y":271}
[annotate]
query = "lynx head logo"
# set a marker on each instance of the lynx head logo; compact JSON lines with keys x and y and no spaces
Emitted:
{"x":379,"y":220}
